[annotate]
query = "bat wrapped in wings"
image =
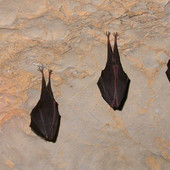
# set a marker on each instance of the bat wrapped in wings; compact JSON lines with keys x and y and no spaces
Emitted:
{"x":45,"y":118}
{"x":113,"y":82}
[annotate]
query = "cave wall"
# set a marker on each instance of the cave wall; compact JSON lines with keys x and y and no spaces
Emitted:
{"x":68,"y":37}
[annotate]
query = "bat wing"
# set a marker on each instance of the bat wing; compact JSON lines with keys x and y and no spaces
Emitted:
{"x":168,"y":70}
{"x":45,"y":118}
{"x":114,"y":87}
{"x":114,"y":82}
{"x":121,"y":90}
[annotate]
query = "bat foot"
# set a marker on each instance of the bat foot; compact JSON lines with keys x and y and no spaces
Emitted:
{"x":50,"y":71}
{"x":115,"y":34}
{"x":41,"y":68}
{"x":107,"y":33}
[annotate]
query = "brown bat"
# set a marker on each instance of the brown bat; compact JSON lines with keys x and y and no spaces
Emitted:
{"x":168,"y":70}
{"x":113,"y":82}
{"x":45,"y":118}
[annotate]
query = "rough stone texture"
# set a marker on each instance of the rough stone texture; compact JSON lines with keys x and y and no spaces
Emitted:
{"x":68,"y":37}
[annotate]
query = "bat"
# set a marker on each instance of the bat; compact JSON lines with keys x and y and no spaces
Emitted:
{"x":168,"y":70}
{"x":113,"y":82}
{"x":45,"y":118}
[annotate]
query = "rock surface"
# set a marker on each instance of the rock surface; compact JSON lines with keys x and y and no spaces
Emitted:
{"x":68,"y":37}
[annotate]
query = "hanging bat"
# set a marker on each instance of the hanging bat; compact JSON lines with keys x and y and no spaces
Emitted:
{"x":168,"y":70}
{"x":45,"y":118}
{"x":113,"y":82}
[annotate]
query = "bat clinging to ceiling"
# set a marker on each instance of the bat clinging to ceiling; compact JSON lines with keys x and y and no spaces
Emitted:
{"x":45,"y":118}
{"x":113,"y":82}
{"x":168,"y":70}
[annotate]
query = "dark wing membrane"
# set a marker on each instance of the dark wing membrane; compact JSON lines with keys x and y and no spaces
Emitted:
{"x":106,"y":84}
{"x":39,"y":119}
{"x":114,"y":91}
{"x":45,"y":121}
{"x":49,"y":85}
{"x":55,"y":125}
{"x":123,"y":83}
{"x":168,"y":70}
{"x":45,"y":118}
{"x":168,"y":74}
{"x":113,"y":82}
{"x":36,"y":129}
{"x":42,"y":116}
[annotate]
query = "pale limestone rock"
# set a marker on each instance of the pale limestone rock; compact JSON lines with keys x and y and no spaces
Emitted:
{"x":95,"y":2}
{"x":149,"y":60}
{"x":45,"y":29}
{"x":163,"y":57}
{"x":89,"y":8}
{"x":69,"y":60}
{"x":31,"y":6}
{"x":133,"y":35}
{"x":7,"y":17}
{"x":162,"y":89}
{"x":167,"y":7}
{"x":71,"y":8}
{"x":34,"y":95}
{"x":98,"y":52}
{"x":139,"y":6}
{"x":159,"y":42}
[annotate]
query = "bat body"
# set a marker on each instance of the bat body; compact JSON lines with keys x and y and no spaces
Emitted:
{"x":168,"y":70}
{"x":45,"y":118}
{"x":113,"y":82}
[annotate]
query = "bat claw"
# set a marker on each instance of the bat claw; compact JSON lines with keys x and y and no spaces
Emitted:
{"x":107,"y":34}
{"x":41,"y":68}
{"x":50,"y":71}
{"x":115,"y":34}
